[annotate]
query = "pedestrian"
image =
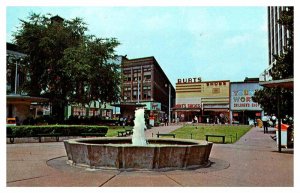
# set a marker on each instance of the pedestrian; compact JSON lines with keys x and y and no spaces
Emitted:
{"x":196,"y":119}
{"x":265,"y":120}
{"x":166,"y":120}
{"x":273,"y":119}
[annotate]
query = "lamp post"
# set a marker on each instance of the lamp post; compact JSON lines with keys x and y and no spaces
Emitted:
{"x":16,"y":77}
{"x":168,"y":85}
{"x":138,"y":91}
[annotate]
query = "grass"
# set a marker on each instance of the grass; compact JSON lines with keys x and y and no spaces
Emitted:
{"x":198,"y":132}
{"x":113,"y":130}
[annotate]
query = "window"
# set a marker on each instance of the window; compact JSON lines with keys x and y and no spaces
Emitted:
{"x":147,"y":78}
{"x":147,"y":95}
{"x":127,"y":88}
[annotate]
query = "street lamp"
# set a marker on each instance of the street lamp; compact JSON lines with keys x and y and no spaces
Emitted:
{"x":168,"y":85}
{"x":16,"y":77}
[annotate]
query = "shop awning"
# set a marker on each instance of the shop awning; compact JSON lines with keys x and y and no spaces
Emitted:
{"x":21,"y":98}
{"x":284,"y":83}
{"x":187,"y":110}
{"x":216,"y":110}
{"x":128,"y":104}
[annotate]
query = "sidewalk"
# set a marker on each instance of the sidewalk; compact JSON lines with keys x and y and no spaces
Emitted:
{"x":253,"y":161}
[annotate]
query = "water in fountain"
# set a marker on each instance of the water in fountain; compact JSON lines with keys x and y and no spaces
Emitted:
{"x":138,"y":136}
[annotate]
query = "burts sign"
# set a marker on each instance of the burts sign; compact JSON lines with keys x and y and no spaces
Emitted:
{"x":188,"y":80}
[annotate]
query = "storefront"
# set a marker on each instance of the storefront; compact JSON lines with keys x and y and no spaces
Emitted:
{"x":208,"y":101}
{"x":242,"y":109}
{"x":94,"y":109}
{"x":153,"y":112}
{"x":187,"y":112}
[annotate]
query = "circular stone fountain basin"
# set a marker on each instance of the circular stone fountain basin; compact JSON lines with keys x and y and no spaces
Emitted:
{"x":119,"y":153}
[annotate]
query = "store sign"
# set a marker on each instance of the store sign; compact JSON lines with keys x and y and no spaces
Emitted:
{"x":188,"y":80}
{"x":216,"y":106}
{"x":156,"y":106}
{"x":188,"y":106}
{"x":241,"y":96}
{"x":152,"y":106}
{"x":214,"y":83}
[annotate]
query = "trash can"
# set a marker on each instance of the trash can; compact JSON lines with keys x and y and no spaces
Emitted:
{"x":286,"y":135}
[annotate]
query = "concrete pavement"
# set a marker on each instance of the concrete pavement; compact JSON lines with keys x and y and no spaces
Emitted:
{"x":253,"y":161}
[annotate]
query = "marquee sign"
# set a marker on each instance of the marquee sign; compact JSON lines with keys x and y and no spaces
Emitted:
{"x":188,"y":106}
{"x":188,"y":80}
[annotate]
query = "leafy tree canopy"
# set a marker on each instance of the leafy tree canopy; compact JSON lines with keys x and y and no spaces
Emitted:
{"x":66,"y":65}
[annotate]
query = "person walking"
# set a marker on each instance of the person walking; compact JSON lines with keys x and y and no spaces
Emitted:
{"x":195,"y":119}
{"x":265,"y":120}
{"x":166,"y":120}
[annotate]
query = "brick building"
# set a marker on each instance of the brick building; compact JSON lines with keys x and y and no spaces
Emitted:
{"x":145,"y":83}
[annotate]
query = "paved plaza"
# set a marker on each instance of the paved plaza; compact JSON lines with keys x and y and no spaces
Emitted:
{"x":253,"y":161}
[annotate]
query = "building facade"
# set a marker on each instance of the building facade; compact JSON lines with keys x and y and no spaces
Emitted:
{"x":18,"y":104}
{"x":206,"y":100}
{"x":277,"y":38}
{"x":144,"y":82}
{"x":242,"y":109}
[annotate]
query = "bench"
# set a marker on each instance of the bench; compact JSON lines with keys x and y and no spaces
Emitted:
{"x":215,"y":135}
{"x":56,"y":135}
{"x":93,"y":134}
{"x":129,"y":131}
{"x":166,"y":134}
{"x":121,"y":133}
{"x":11,"y":138}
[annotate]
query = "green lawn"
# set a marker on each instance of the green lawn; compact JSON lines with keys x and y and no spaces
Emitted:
{"x":198,"y":132}
{"x":113,"y":130}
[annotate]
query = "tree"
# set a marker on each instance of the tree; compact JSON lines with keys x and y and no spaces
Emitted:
{"x":283,"y":68}
{"x":66,"y":65}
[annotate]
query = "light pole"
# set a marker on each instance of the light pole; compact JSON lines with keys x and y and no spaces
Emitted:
{"x":138,"y":91}
{"x":16,"y":77}
{"x":168,"y":85}
{"x":138,"y":79}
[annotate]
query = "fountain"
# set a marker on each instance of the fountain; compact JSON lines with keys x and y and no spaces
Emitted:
{"x":138,"y":153}
{"x":138,"y":136}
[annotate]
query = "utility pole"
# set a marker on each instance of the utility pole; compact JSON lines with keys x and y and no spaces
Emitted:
{"x":169,"y":103}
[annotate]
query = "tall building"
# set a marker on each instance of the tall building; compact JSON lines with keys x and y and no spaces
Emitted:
{"x":277,"y":38}
{"x":144,"y":82}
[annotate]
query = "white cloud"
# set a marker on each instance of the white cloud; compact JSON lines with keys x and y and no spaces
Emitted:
{"x":237,"y":40}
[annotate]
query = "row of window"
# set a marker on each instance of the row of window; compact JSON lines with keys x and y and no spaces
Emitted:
{"x":146,"y":95}
{"x":128,"y":78}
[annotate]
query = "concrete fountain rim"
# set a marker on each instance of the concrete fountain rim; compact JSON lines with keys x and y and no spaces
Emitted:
{"x":111,"y":142}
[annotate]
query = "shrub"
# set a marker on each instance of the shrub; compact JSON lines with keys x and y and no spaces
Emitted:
{"x":65,"y":130}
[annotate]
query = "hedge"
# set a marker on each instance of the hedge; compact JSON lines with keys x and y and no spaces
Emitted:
{"x":65,"y":130}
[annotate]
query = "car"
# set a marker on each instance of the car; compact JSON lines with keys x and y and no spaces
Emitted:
{"x":11,"y":122}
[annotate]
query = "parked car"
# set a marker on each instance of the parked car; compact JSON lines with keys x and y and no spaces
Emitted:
{"x":11,"y":122}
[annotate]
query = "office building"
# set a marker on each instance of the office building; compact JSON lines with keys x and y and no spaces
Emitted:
{"x":277,"y":39}
{"x":145,"y":84}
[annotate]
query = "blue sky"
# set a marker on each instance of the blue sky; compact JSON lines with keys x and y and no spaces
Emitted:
{"x":215,"y":43}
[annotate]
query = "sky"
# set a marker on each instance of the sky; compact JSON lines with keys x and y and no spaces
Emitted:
{"x":211,"y":42}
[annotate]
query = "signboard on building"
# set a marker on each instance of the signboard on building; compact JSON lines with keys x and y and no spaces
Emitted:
{"x":188,"y":80}
{"x":241,"y":96}
{"x":154,"y":106}
{"x":188,"y":106}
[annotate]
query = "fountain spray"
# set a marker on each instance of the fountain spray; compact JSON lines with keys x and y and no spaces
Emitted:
{"x":138,"y":137}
